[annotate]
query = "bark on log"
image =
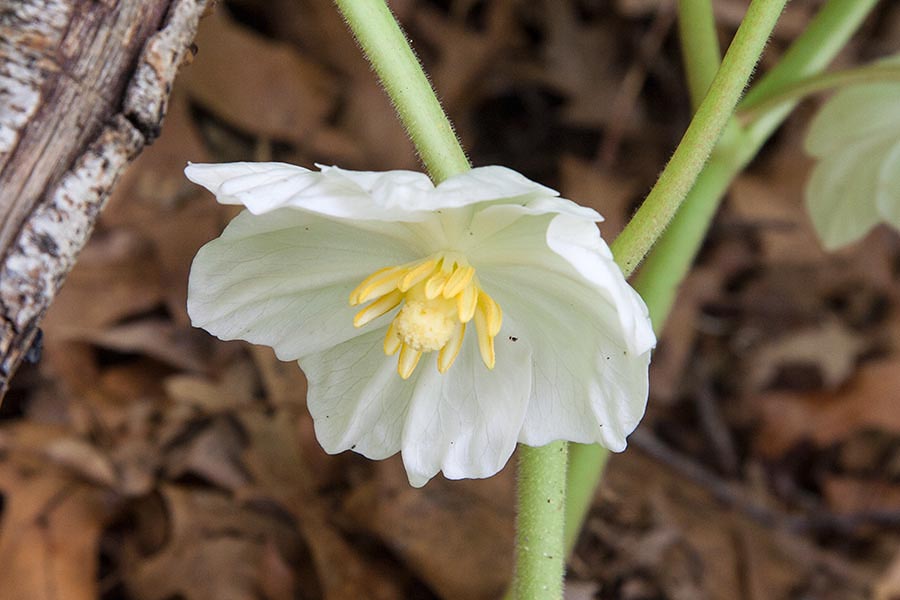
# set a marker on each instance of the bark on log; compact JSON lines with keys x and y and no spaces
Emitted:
{"x":83,"y":88}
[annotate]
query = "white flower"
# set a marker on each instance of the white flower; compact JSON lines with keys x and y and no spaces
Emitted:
{"x":856,"y":183}
{"x":422,"y":359}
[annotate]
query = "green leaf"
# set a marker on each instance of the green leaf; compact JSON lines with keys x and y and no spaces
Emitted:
{"x":855,"y":183}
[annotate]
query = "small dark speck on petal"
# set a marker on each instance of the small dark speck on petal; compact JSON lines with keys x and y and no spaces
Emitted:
{"x":306,"y":228}
{"x":353,"y":447}
{"x":513,"y":338}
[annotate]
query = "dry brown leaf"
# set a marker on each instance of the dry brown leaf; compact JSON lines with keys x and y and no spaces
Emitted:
{"x":444,"y":523}
{"x":212,"y":454}
{"x":273,"y":456}
{"x":49,"y":532}
{"x":214,"y":549}
{"x":831,"y":347}
{"x":368,"y":114}
{"x":154,"y":338}
{"x":465,"y":55}
{"x":260,"y":86}
{"x":772,"y":205}
{"x":579,"y":61}
{"x":850,"y":495}
{"x":115,"y":277}
{"x":888,"y":585}
{"x":610,"y":194}
{"x":868,"y":401}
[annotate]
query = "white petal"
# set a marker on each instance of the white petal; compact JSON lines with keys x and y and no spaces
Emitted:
{"x":466,"y":422}
{"x":264,"y":187}
{"x":357,"y":400}
{"x":570,"y":246}
{"x":485,"y":184}
{"x":589,"y":331}
{"x":587,"y":386}
{"x":855,"y":114}
{"x":492,"y":220}
{"x":283,"y":279}
{"x":414,"y":192}
{"x":842,"y":190}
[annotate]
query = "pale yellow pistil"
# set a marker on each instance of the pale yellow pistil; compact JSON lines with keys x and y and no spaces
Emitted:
{"x":439,"y":295}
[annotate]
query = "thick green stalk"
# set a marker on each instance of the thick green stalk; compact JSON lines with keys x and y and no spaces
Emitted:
{"x":540,"y":553}
{"x":670,"y":260}
{"x":701,"y":136}
{"x":387,"y":49}
{"x":700,"y":50}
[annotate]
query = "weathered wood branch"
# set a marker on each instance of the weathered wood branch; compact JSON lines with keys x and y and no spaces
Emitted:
{"x":83,"y":88}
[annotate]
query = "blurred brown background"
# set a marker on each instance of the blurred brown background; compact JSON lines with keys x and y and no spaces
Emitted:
{"x":141,"y":459}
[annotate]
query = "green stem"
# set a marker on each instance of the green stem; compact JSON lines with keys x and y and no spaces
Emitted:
{"x":586,"y":464}
{"x":540,"y":554}
{"x":820,"y":42}
{"x":673,"y":255}
{"x":700,"y":50}
{"x":701,"y":136}
{"x":387,"y":49}
{"x":874,"y":73}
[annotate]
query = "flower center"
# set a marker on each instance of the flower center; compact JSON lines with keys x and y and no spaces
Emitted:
{"x":426,"y":326}
{"x":440,"y":295}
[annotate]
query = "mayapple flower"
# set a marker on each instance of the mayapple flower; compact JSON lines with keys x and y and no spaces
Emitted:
{"x":445,"y":322}
{"x":856,"y":183}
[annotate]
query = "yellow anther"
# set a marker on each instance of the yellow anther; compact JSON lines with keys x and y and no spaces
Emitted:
{"x":451,"y":349}
{"x":435,"y":285}
{"x":409,"y":358}
{"x":457,"y":282}
{"x":377,"y":308}
{"x":465,"y":303}
{"x":485,"y":339}
{"x":438,"y":296}
{"x":492,"y":313}
{"x":417,"y":274}
{"x":377,"y":284}
{"x":392,"y":341}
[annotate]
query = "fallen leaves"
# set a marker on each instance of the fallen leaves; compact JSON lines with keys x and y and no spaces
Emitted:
{"x":159,"y":463}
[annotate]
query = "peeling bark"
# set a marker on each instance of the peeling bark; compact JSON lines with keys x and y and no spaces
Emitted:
{"x":83,"y":88}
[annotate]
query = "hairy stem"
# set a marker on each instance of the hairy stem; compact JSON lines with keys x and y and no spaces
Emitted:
{"x":701,"y":136}
{"x":399,"y":71}
{"x":700,"y":50}
{"x":540,"y":552}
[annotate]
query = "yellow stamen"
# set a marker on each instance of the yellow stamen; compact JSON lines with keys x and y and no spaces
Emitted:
{"x":376,"y":285}
{"x":438,"y":296}
{"x":417,"y":274}
{"x":409,"y":358}
{"x":392,"y":341}
{"x":435,"y":285}
{"x":458,"y":281}
{"x":485,"y":339}
{"x":377,"y":308}
{"x":451,"y":349}
{"x":492,"y":314}
{"x":465,"y":303}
